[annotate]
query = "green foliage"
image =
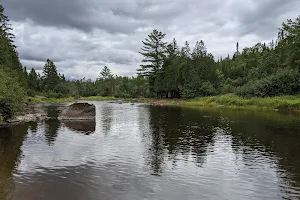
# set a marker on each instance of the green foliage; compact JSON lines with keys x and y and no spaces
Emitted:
{"x":154,"y":53}
{"x":11,"y":93}
{"x":97,"y":98}
{"x":284,"y":81}
{"x":42,"y":99}
{"x":12,"y":77}
{"x":233,"y":101}
{"x":265,"y":70}
{"x":105,"y":74}
{"x":6,"y":111}
{"x":33,"y":82}
{"x":50,"y":76}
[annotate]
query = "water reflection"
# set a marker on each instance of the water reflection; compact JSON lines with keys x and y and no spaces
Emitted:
{"x":106,"y":115}
{"x":275,"y":136}
{"x":11,"y":140}
{"x":145,"y":152}
{"x":87,"y":127}
{"x":51,"y":130}
{"x":33,"y":126}
{"x":178,"y":134}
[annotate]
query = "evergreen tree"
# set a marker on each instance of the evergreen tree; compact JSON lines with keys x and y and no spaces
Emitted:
{"x":237,"y":49}
{"x":12,"y":76}
{"x":154,"y":53}
{"x":186,"y":50}
{"x":33,"y":80}
{"x":105,"y":83}
{"x":50,"y":77}
{"x":5,"y":26}
{"x":105,"y":74}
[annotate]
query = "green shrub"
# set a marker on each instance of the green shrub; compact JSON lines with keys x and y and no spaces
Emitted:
{"x":226,"y":89}
{"x":207,"y":89}
{"x":12,"y":95}
{"x":6,"y":111}
{"x":31,"y":93}
{"x":201,"y":89}
{"x":55,"y":95}
{"x":283,"y":82}
{"x":189,"y":93}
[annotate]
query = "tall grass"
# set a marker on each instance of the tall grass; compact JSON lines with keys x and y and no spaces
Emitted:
{"x":229,"y":100}
{"x":40,"y":99}
{"x":280,"y":102}
{"x":49,"y":100}
{"x":97,"y":98}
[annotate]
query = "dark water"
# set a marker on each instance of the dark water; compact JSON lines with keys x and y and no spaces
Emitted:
{"x":143,"y":152}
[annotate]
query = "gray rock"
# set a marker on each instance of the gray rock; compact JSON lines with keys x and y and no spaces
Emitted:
{"x":78,"y":111}
{"x":29,"y":114}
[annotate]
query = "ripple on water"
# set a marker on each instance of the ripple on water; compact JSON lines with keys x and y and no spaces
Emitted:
{"x":145,"y":152}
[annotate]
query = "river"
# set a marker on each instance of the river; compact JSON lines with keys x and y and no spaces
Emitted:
{"x":136,"y":151}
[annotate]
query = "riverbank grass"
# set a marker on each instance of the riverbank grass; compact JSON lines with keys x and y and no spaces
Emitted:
{"x":97,"y":98}
{"x":49,"y":100}
{"x":41,"y":99}
{"x":229,"y":100}
{"x":233,"y":101}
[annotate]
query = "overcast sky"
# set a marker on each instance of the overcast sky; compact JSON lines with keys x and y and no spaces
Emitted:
{"x":82,"y":36}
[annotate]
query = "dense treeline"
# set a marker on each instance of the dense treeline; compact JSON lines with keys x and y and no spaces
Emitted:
{"x":262,"y":70}
{"x":12,"y":79}
{"x":54,"y":85}
{"x":168,"y":71}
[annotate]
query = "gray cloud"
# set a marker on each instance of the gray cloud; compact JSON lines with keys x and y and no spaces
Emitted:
{"x":262,"y":17}
{"x":84,"y":36}
{"x":83,"y":15}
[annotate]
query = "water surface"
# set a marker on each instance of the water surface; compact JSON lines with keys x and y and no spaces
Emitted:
{"x":146,"y":152}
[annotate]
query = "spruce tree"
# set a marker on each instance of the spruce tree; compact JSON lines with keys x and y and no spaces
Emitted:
{"x":105,"y":74}
{"x":33,"y":81}
{"x":50,"y":76}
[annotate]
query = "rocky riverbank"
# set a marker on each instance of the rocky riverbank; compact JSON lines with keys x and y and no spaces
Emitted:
{"x":36,"y":112}
{"x":30,"y":113}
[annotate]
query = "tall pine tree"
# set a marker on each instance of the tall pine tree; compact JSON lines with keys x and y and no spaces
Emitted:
{"x":154,"y":53}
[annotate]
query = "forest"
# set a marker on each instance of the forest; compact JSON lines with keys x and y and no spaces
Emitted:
{"x":167,"y":71}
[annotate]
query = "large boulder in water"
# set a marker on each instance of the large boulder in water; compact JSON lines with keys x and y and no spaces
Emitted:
{"x":78,"y":111}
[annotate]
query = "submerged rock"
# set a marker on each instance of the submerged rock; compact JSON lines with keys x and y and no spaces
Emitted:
{"x":78,"y":111}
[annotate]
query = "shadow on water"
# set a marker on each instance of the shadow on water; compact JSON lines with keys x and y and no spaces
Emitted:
{"x":51,"y":130}
{"x":33,"y":126}
{"x":86,"y":127}
{"x":271,"y":134}
{"x":178,"y":132}
{"x":181,"y":134}
{"x":265,"y":135}
{"x":11,"y":140}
